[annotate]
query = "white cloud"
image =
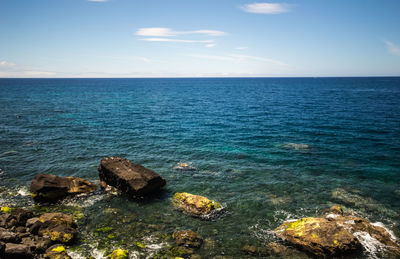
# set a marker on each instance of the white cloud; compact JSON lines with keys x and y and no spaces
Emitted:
{"x":6,"y":64}
{"x":211,"y":45}
{"x":176,"y":40}
{"x":239,"y":58}
{"x":392,"y":48}
{"x":266,"y":8}
{"x":167,"y":32}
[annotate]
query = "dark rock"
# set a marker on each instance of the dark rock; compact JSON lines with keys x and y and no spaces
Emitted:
{"x":50,"y":188}
{"x":128,"y":177}
{"x":38,"y":245}
{"x":31,"y":221}
{"x":56,"y":252}
{"x":9,"y":237}
{"x":58,"y":227}
{"x":187,"y":238}
{"x":15,"y":217}
{"x":248,"y":249}
{"x":34,"y":228}
{"x":17,"y":251}
{"x":2,"y":249}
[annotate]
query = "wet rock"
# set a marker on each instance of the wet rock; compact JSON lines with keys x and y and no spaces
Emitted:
{"x":31,"y":222}
{"x":128,"y":177}
{"x":14,"y":217}
{"x":119,"y":254}
{"x":179,"y":251}
{"x":59,"y":227}
{"x":275,"y":249}
{"x":319,"y":236}
{"x":56,"y":252}
{"x":17,"y":251}
{"x":195,"y":205}
{"x":51,"y":188}
{"x":184,"y":167}
{"x":187,"y":238}
{"x":336,"y":210}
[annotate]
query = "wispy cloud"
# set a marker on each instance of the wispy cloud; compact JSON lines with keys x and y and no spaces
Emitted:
{"x":6,"y":64}
{"x":176,"y":40}
{"x":167,"y":32}
{"x":266,"y":8}
{"x":392,"y":48}
{"x":211,"y":45}
{"x":240,"y":58}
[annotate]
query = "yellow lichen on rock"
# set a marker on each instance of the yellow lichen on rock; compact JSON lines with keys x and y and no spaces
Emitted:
{"x":58,"y":249}
{"x":6,"y":209}
{"x":194,"y":204}
{"x":119,"y":254}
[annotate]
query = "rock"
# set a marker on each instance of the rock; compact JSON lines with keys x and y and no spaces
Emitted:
{"x":336,"y":210}
{"x":184,"y":167}
{"x":56,"y":252}
{"x":195,"y":205}
{"x":9,"y":237}
{"x":31,"y":221}
{"x":14,"y":217}
{"x":119,"y":254}
{"x":180,"y":251}
{"x":128,"y":177}
{"x":2,"y":249}
{"x":319,"y":236}
{"x":51,"y":188}
{"x":275,"y":249}
{"x":17,"y":251}
{"x":248,"y":249}
{"x":38,"y":245}
{"x":58,"y":227}
{"x":187,"y":238}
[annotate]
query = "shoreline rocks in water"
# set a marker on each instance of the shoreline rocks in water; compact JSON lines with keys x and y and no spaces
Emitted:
{"x":130,"y":178}
{"x":51,"y":188}
{"x":335,"y":234}
{"x":24,"y":236}
{"x":195,"y":205}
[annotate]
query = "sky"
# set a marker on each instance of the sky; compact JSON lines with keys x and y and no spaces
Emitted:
{"x":199,"y":38}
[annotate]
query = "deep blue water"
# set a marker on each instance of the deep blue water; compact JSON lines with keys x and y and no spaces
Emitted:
{"x":241,"y":134}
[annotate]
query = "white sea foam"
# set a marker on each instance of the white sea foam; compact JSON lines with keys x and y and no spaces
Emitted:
{"x":23,"y":191}
{"x":331,"y":216}
{"x":380,"y":224}
{"x":372,"y":246}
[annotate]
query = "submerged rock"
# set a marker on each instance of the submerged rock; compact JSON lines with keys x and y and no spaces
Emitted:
{"x":296,"y":146}
{"x":337,"y":235}
{"x":184,"y":167}
{"x":128,"y":177}
{"x":56,"y":252}
{"x":187,"y":238}
{"x":59,"y":227}
{"x":50,"y":188}
{"x":195,"y":205}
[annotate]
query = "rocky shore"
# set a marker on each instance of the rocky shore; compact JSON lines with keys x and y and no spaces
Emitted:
{"x":26,"y":233}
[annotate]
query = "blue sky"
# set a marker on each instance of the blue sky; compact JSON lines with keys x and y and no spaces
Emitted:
{"x":197,"y":38}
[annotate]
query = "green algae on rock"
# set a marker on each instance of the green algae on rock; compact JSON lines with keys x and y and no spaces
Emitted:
{"x":59,"y":227}
{"x":195,"y":205}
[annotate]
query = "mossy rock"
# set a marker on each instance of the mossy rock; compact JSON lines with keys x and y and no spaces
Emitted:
{"x":6,"y":209}
{"x":119,"y":254}
{"x":195,"y":205}
{"x":59,"y":227}
{"x":56,"y":252}
{"x":187,"y":238}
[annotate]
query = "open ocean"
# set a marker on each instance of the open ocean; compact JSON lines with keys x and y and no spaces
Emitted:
{"x":267,"y":149}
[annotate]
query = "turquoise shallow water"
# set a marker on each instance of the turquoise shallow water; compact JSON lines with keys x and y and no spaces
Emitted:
{"x":240,"y":133}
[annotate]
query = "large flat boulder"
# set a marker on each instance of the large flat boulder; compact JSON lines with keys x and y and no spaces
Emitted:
{"x":130,"y":178}
{"x":51,"y":188}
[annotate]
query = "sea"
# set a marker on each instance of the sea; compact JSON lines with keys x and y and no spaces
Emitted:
{"x":267,"y":149}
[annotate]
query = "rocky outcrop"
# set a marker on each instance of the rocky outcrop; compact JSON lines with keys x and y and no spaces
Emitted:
{"x":336,"y":235}
{"x":51,"y":188}
{"x":195,"y":205}
{"x":25,"y":236}
{"x":130,"y":178}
